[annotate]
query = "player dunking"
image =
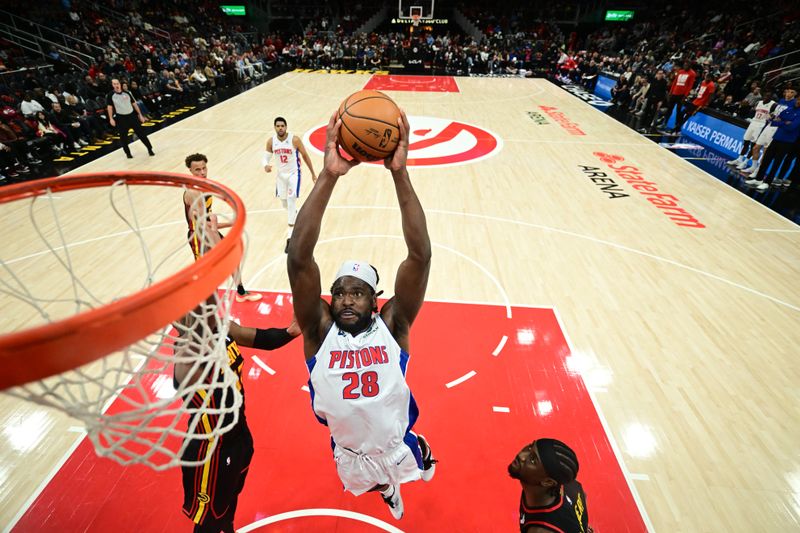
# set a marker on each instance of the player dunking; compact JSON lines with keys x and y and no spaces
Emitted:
{"x":287,"y":149}
{"x":357,"y":357}
{"x":552,"y":499}
{"x":195,"y":210}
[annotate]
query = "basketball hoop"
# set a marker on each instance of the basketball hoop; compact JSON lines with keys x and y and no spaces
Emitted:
{"x":123,"y":346}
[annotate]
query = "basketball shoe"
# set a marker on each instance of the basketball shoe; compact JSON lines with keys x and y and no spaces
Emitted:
{"x":428,"y":461}
{"x":752,"y":171}
{"x":248,"y":297}
{"x":395,"y":502}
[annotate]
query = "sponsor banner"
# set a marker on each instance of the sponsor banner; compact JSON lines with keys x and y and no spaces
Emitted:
{"x":715,"y":133}
{"x":586,"y":96}
{"x":424,"y":22}
{"x":668,"y":204}
{"x":562,"y":120}
{"x":538,"y":118}
{"x":335,"y":71}
{"x":604,"y":86}
{"x":604,"y":182}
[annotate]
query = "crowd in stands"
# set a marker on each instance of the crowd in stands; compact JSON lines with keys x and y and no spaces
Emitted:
{"x":173,"y":52}
{"x":714,"y":45}
{"x":47,"y":113}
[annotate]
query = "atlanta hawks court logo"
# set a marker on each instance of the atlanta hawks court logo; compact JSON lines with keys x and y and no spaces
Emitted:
{"x":435,"y":142}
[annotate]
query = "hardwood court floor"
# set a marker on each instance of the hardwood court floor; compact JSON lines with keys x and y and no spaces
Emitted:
{"x":678,"y":293}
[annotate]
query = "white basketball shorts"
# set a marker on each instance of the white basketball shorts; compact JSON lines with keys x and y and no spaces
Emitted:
{"x":288,"y":185}
{"x":753,"y":131}
{"x":360,"y":473}
{"x":765,"y":137}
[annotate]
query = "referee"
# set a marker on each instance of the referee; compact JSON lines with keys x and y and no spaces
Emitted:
{"x":121,"y":106}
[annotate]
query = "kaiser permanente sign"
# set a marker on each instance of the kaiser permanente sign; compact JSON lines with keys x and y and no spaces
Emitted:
{"x":715,"y":133}
{"x":711,"y":132}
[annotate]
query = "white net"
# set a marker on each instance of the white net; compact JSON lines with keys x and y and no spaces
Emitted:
{"x":159,"y":400}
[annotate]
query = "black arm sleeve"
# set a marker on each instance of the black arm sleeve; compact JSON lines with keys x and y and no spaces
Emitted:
{"x":271,"y":339}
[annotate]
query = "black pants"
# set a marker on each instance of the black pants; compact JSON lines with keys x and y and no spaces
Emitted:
{"x":652,"y":106}
{"x":674,"y":101}
{"x":681,"y":118}
{"x":126,"y":122}
{"x":777,"y":152}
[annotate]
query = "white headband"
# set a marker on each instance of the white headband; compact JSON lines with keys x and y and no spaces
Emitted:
{"x":361,"y":270}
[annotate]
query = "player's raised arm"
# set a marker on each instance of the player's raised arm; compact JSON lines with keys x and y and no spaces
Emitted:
{"x":412,"y":275}
{"x":313,"y":313}
{"x":263,"y":339}
{"x":298,"y":144}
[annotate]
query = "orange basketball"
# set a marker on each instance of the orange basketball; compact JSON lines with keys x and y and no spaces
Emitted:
{"x":369,"y":129}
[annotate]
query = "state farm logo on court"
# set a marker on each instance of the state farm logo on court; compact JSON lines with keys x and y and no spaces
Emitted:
{"x":435,"y":142}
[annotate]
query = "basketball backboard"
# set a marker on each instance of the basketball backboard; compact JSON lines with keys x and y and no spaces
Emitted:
{"x":421,"y":8}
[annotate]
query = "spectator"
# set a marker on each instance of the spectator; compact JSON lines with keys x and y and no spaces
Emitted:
{"x":54,"y":137}
{"x":68,"y":122}
{"x":704,"y":94}
{"x":740,"y":71}
{"x":682,"y":84}
{"x":754,"y":96}
{"x":639,"y":97}
{"x":727,"y":105}
{"x":656,"y":98}
{"x":29,"y":107}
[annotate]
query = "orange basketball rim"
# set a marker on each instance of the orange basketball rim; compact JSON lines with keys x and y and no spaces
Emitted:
{"x":42,"y":351}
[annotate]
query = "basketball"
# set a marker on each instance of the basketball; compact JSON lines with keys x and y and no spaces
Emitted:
{"x":369,"y":129}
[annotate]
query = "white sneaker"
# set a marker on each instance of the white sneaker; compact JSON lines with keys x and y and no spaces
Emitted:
{"x":82,"y":142}
{"x":763,"y":187}
{"x":395,"y":502}
{"x":753,"y":181}
{"x":736,"y":161}
{"x":744,"y":162}
{"x":248,"y":297}
{"x":751,"y":171}
{"x":76,"y":146}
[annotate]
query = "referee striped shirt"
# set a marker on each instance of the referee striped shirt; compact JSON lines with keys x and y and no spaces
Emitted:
{"x":121,"y":101}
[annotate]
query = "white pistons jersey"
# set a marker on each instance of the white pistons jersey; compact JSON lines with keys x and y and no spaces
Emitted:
{"x":287,"y":156}
{"x":359,"y":390}
{"x":762,"y":111}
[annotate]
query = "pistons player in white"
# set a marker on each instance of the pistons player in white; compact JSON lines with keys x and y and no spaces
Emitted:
{"x":287,"y":149}
{"x":357,"y":357}
{"x":757,"y":124}
{"x":765,"y":137}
